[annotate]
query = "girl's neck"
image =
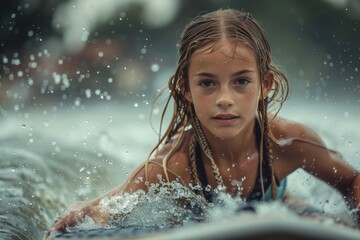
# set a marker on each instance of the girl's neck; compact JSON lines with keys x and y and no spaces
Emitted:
{"x":235,"y":149}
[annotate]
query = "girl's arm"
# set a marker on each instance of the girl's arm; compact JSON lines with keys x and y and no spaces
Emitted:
{"x":93,"y":209}
{"x":141,"y":178}
{"x":305,"y":149}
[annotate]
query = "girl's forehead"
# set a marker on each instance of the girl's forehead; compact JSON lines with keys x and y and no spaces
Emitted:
{"x":231,"y":49}
{"x":222,"y":60}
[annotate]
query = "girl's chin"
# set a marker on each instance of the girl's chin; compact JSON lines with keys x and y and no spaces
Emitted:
{"x":224,"y":135}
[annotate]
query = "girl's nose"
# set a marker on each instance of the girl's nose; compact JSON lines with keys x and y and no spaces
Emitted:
{"x":224,"y":99}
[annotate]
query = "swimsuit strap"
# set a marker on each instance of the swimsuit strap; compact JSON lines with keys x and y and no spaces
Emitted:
{"x":256,"y":193}
{"x":207,"y":192}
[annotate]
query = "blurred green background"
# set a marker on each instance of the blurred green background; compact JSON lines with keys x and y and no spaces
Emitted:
{"x":72,"y":53}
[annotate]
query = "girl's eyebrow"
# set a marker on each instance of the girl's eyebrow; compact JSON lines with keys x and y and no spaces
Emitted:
{"x":242,"y":72}
{"x":206,"y":74}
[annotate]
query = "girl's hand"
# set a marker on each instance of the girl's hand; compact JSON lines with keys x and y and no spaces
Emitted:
{"x":76,"y":214}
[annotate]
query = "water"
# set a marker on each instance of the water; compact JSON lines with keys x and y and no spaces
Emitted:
{"x":51,"y":158}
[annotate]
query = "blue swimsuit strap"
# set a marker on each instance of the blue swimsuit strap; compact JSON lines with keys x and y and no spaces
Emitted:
{"x":256,"y":193}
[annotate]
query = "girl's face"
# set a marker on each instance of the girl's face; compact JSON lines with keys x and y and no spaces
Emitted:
{"x":224,"y":86}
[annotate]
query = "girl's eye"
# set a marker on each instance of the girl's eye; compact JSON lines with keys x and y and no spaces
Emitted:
{"x":241,"y":82}
{"x":206,"y":83}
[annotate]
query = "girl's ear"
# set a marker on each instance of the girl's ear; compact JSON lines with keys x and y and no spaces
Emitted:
{"x":267,"y":83}
{"x":185,"y":90}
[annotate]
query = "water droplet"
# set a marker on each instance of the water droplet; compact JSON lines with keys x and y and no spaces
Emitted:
{"x":77,"y":102}
{"x":155,"y":67}
{"x":156,"y":111}
{"x":88,"y":93}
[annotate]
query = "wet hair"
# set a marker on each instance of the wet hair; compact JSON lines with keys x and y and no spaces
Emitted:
{"x":207,"y":30}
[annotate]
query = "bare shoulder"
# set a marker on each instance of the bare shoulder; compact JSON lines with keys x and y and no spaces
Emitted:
{"x":169,"y":163}
{"x":298,"y":146}
{"x":291,"y":147}
{"x":174,"y":158}
{"x":285,"y":129}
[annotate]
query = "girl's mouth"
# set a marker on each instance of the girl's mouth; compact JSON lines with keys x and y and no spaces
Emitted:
{"x":225,"y":117}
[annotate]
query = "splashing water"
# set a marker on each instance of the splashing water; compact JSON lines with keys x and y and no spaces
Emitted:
{"x":173,"y":205}
{"x":165,"y":205}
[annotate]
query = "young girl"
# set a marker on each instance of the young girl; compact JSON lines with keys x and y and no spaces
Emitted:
{"x":225,"y":128}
